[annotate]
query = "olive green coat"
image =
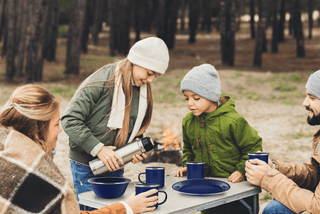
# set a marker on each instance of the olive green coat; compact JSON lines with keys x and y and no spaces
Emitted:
{"x":222,"y":139}
{"x":85,"y":120}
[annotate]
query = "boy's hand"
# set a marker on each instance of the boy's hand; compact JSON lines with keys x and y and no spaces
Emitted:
{"x":236,"y":177}
{"x":180,"y":172}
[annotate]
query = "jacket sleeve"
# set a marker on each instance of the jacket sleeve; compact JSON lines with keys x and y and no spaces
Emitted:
{"x":187,"y":152}
{"x":304,"y":175}
{"x":287,"y":192}
{"x":247,"y":140}
{"x":117,"y":208}
{"x":78,"y":111}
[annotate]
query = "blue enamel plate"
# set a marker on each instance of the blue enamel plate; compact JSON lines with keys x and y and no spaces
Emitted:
{"x":201,"y":187}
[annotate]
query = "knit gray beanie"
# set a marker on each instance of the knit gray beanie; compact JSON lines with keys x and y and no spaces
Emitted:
{"x":151,"y":53}
{"x":313,"y":84}
{"x":203,"y":80}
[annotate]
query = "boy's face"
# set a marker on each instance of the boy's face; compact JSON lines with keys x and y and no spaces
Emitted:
{"x":198,"y":104}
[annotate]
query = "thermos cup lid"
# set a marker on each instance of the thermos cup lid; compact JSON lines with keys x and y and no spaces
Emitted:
{"x":147,"y":143}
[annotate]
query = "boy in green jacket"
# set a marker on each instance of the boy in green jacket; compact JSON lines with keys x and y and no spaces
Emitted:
{"x":213,"y":132}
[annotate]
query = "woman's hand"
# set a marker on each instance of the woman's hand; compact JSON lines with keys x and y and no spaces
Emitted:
{"x":236,"y":177}
{"x":255,"y":170}
{"x":109,"y":157}
{"x":137,"y":158}
{"x":180,"y":172}
{"x":140,"y":203}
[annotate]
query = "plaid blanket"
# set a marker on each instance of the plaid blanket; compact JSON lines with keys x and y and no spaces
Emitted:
{"x":29,"y":180}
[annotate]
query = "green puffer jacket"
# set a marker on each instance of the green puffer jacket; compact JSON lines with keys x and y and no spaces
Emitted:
{"x":85,"y":120}
{"x":221,"y":139}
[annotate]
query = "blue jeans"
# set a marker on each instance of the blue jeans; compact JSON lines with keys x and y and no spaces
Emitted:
{"x":81,"y":173}
{"x":275,"y":207}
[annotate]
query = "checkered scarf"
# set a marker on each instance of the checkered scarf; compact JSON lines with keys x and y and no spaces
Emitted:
{"x":29,"y":180}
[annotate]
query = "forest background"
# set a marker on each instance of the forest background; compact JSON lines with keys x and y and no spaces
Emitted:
{"x":263,"y":61}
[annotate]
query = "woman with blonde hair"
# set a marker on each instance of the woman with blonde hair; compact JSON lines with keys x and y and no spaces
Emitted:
{"x":111,"y":108}
{"x":30,"y":181}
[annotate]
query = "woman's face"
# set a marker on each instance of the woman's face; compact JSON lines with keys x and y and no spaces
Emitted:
{"x":142,"y":76}
{"x":54,"y":130}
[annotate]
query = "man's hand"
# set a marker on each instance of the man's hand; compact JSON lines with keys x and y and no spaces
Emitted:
{"x":255,"y":170}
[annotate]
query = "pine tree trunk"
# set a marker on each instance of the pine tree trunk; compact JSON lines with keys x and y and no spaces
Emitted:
{"x":52,"y":28}
{"x":282,"y":20}
{"x":2,"y":9}
{"x":74,"y":36}
{"x":161,"y":19}
{"x":299,"y":30}
{"x":171,"y":22}
{"x":182,"y":15}
{"x":97,"y":16}
{"x":228,"y":12}
{"x":257,"y":60}
{"x":23,"y":19}
{"x":310,"y":18}
{"x":252,"y":22}
{"x":4,"y":28}
{"x":10,"y":71}
{"x":113,"y":27}
{"x":193,"y":20}
{"x":275,"y":28}
{"x":123,"y":18}
{"x":86,"y":26}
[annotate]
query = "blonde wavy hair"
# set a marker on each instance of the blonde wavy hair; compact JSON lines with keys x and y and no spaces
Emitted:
{"x":29,"y":111}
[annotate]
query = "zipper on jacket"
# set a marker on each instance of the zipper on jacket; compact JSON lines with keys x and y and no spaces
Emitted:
{"x":198,"y":142}
{"x":205,"y":138}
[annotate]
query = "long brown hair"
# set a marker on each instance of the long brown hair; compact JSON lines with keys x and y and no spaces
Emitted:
{"x":125,"y":72}
{"x":29,"y":111}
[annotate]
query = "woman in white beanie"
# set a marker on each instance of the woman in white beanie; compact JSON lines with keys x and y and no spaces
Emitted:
{"x":111,"y":108}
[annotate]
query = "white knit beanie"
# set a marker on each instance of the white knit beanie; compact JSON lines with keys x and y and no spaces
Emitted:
{"x":203,"y":80}
{"x":313,"y":84}
{"x":151,"y":53}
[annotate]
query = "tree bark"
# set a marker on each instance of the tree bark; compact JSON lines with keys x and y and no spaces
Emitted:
{"x":113,"y":27}
{"x":2,"y":12}
{"x":10,"y":71}
{"x":310,"y":18}
{"x":282,"y":20}
{"x":275,"y":28}
{"x":193,"y":20}
{"x":228,"y":11}
{"x":252,"y":22}
{"x":299,"y":30}
{"x":96,"y":23}
{"x":52,"y":27}
{"x":4,"y":28}
{"x":23,"y":19}
{"x":87,"y":22}
{"x":123,"y":24}
{"x":74,"y":36}
{"x":257,"y":60}
{"x":182,"y":15}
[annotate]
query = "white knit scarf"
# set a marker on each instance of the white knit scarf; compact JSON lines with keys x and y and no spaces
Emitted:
{"x":118,"y":107}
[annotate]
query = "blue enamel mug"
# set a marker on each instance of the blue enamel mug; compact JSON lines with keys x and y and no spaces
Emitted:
{"x":259,"y":155}
{"x":154,"y":175}
{"x":195,"y":170}
{"x":140,"y":188}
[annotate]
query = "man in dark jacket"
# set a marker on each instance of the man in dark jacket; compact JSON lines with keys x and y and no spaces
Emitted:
{"x":295,"y":188}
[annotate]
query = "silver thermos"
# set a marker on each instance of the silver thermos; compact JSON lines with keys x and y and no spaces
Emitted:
{"x":136,"y":147}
